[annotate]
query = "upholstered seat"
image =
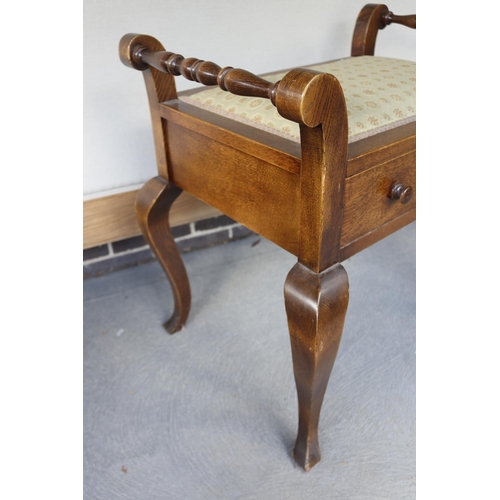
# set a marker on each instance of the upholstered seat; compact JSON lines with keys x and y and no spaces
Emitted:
{"x":379,"y":94}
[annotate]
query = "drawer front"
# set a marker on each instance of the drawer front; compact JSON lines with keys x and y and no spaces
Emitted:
{"x":368,"y":205}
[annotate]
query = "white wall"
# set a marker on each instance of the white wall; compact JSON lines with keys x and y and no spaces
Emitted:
{"x":256,"y":35}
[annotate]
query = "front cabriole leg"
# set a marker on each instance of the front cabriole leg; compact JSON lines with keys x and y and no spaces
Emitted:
{"x":316,"y":289}
{"x":316,"y":305}
{"x":152,"y":209}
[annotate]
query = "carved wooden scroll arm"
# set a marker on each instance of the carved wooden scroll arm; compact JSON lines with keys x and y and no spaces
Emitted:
{"x":371,"y":19}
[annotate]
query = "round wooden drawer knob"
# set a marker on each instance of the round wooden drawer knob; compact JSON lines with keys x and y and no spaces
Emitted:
{"x":401,"y":193}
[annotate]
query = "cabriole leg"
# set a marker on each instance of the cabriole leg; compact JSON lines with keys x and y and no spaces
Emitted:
{"x":152,"y":209}
{"x":316,"y":304}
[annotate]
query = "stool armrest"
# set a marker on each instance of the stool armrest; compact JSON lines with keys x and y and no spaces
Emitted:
{"x":371,"y":19}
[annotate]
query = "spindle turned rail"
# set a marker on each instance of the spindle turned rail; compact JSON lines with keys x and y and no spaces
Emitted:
{"x":236,"y":81}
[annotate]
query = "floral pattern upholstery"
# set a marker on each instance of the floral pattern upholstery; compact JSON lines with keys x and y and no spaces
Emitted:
{"x":379,"y":92}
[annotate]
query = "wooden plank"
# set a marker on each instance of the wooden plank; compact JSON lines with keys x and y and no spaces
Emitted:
{"x":112,"y":218}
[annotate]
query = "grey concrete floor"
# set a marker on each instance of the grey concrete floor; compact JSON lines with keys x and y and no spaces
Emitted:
{"x":211,"y":412}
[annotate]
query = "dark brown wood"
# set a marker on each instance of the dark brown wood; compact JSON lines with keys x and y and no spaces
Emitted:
{"x":371,"y":19}
{"x":323,"y":200}
{"x":239,"y":184}
{"x":250,"y":140}
{"x":160,"y":87}
{"x":409,"y":21}
{"x":380,"y":148}
{"x":316,"y":101}
{"x":367,"y":201}
{"x":236,"y":81}
{"x":316,"y":305}
{"x":152,"y":208}
{"x":370,"y":238}
{"x":368,"y":24}
{"x":284,"y":153}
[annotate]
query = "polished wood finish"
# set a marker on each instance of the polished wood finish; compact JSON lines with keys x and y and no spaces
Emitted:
{"x":322,"y":200}
{"x":210,"y":170}
{"x":142,"y":55}
{"x":380,"y":148}
{"x":371,"y":237}
{"x":313,"y":100}
{"x":316,"y":101}
{"x":316,"y":305}
{"x":371,"y":19}
{"x":254,"y":142}
{"x":408,"y":21}
{"x":153,"y":206}
{"x":205,"y":154}
{"x":159,"y":86}
{"x":367,"y":197}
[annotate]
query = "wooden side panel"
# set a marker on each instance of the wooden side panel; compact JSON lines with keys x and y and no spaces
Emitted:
{"x":268,"y":147}
{"x":367,"y":205}
{"x":263,"y":197}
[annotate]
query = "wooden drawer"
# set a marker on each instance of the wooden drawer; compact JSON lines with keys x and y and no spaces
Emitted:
{"x":367,"y":202}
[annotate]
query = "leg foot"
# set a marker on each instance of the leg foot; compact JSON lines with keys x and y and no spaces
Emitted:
{"x":152,"y":209}
{"x":316,"y":304}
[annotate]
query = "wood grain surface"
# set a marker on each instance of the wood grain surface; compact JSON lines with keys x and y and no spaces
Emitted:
{"x":238,"y":184}
{"x":367,"y":201}
{"x":112,"y":218}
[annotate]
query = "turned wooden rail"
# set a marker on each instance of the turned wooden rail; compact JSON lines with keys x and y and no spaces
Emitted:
{"x":409,"y":21}
{"x":236,"y":81}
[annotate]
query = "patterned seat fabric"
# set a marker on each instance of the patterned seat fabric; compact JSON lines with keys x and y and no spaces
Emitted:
{"x":379,"y":92}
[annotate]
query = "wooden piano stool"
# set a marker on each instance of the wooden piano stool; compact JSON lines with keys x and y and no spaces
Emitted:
{"x":319,"y":160}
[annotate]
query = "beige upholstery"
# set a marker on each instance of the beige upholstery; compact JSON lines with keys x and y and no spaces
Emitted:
{"x":379,"y":92}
